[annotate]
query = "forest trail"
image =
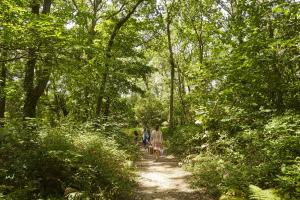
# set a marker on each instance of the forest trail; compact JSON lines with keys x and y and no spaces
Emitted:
{"x":163,"y":180}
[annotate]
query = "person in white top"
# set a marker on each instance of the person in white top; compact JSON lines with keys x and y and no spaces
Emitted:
{"x":157,"y":141}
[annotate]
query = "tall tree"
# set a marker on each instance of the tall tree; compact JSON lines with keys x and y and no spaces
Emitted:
{"x":34,"y":91}
{"x":108,"y":56}
{"x":3,"y":74}
{"x":172,"y":71}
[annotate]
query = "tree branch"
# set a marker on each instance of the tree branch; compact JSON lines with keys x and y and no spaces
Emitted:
{"x":13,"y":59}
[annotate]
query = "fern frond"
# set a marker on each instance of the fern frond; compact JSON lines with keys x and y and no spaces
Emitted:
{"x":259,"y":194}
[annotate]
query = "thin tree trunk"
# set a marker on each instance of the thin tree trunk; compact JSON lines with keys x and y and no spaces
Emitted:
{"x":275,"y":81}
{"x":200,"y":39}
{"x":2,"y":91}
{"x":172,"y":70}
{"x":107,"y":107}
{"x":145,"y":79}
{"x":61,"y":104}
{"x":59,"y":101}
{"x":181,"y":94}
{"x":103,"y":86}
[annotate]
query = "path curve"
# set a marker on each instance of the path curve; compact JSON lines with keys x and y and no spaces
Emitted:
{"x":163,"y":180}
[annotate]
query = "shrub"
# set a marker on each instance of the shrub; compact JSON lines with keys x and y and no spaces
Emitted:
{"x":64,"y":157}
{"x":149,"y":111}
{"x":228,"y":161}
{"x":289,"y":181}
{"x":185,"y":140}
{"x":259,"y":194}
{"x":208,"y":172}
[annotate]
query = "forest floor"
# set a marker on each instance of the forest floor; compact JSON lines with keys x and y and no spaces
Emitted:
{"x":164,"y":180}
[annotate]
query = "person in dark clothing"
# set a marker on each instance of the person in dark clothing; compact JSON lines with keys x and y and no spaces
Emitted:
{"x":146,"y":136}
{"x":135,"y":137}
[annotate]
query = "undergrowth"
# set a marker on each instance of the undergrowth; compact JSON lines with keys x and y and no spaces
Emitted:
{"x":226,"y":158}
{"x":68,"y":161}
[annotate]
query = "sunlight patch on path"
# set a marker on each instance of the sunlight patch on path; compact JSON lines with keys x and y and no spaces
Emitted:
{"x":163,"y":180}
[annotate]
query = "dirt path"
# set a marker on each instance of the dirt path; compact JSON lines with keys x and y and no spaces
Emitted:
{"x":163,"y":180}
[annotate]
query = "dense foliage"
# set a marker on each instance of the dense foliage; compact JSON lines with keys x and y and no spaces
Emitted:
{"x":238,"y":96}
{"x":68,"y":160}
{"x":222,"y":75}
{"x":266,"y":156}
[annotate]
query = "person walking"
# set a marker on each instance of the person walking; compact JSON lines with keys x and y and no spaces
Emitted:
{"x":135,"y":137}
{"x":146,"y":136}
{"x":157,"y":142}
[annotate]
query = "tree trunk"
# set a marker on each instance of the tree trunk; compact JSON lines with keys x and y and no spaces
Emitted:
{"x":102,"y":87}
{"x":172,"y":70}
{"x":107,"y":107}
{"x":2,"y":91}
{"x":108,"y":55}
{"x":60,"y":104}
{"x":145,"y":79}
{"x":200,"y":40}
{"x":181,"y":90}
{"x":275,"y":81}
{"x":33,"y":93}
{"x":29,"y":104}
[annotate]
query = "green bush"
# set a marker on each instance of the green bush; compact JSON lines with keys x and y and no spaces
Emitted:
{"x":229,"y":160}
{"x":150,"y":111}
{"x":185,"y":140}
{"x":259,"y":194}
{"x":217,"y":175}
{"x":289,"y":181}
{"x":58,"y":159}
{"x":208,"y":172}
